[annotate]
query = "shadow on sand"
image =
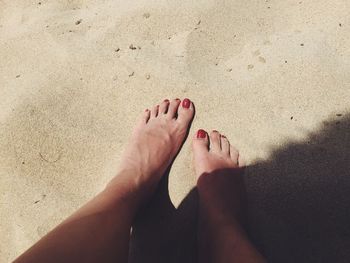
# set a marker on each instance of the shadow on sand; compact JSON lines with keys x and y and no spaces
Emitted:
{"x":299,"y":206}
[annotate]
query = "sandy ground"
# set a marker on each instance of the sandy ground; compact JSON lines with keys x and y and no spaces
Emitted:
{"x":272,"y":75}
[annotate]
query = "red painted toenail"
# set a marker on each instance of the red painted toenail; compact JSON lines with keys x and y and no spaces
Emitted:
{"x":166,"y":100}
{"x":215,"y":131}
{"x":186,"y":103}
{"x":201,"y":134}
{"x":177,"y":99}
{"x":223,"y":136}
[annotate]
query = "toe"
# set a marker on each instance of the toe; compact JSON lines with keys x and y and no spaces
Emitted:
{"x":173,"y":107}
{"x":215,"y":141}
{"x":146,"y":115}
{"x":225,"y":145}
{"x":154,"y":111}
{"x":200,"y":141}
{"x":163,"y":108}
{"x":234,"y":155}
{"x":185,"y":112}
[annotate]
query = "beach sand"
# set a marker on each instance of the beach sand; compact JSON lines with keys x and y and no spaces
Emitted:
{"x":273,"y":76}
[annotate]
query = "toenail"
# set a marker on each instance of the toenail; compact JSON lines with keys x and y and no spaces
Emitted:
{"x":166,"y":100}
{"x":223,"y":136}
{"x":146,"y":110}
{"x":186,"y":103}
{"x":201,"y":134}
{"x":215,"y":131}
{"x":177,"y":99}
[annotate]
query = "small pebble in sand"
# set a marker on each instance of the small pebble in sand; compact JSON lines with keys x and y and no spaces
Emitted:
{"x":39,"y":3}
{"x":250,"y":67}
{"x":146,"y":15}
{"x":291,"y":118}
{"x":229,"y":69}
{"x":18,"y":76}
{"x":262,"y":60}
{"x":256,"y":52}
{"x":148,"y":76}
{"x":302,"y":44}
{"x":340,"y":24}
{"x":339,"y":114}
{"x":286,"y":61}
{"x":132,"y":74}
{"x":78,"y":21}
{"x":132,"y":47}
{"x":117,"y":49}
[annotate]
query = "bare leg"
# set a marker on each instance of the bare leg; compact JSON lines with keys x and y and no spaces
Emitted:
{"x":100,"y":230}
{"x":221,"y":237}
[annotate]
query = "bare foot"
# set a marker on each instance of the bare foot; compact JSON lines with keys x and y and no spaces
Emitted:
{"x":219,"y":170}
{"x":154,"y":143}
{"x":100,"y":230}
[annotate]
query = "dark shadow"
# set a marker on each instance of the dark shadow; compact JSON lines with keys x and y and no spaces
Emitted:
{"x":300,"y":199}
{"x":299,"y":206}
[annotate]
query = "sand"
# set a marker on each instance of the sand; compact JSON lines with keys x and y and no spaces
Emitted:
{"x":271,"y":75}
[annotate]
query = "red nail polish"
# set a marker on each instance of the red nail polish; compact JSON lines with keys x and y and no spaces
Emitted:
{"x":186,"y":103}
{"x":201,"y":134}
{"x":177,"y":99}
{"x":215,"y":131}
{"x":166,"y":100}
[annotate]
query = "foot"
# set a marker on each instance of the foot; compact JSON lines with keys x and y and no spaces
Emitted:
{"x":219,"y":170}
{"x":155,"y":142}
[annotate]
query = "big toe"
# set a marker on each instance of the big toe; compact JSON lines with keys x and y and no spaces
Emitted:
{"x":185,"y":112}
{"x":200,"y":143}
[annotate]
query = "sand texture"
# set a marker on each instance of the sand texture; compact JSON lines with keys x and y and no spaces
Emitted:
{"x":273,"y":76}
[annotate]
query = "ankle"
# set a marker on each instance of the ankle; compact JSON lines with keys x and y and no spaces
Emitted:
{"x":128,"y":185}
{"x":222,"y":198}
{"x":123,"y":185}
{"x":220,"y":215}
